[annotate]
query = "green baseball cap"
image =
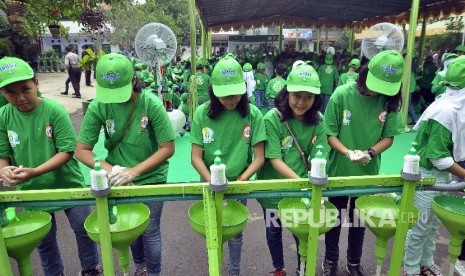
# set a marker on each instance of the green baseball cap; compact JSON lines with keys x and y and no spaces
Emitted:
{"x":184,"y":97}
{"x":303,"y":78}
{"x":354,"y":63}
{"x":13,"y":70}
{"x":114,"y":78}
{"x":227,"y":78}
{"x":460,"y":48}
{"x":261,"y":66}
{"x":247,"y":67}
{"x":385,"y":72}
{"x":455,"y":75}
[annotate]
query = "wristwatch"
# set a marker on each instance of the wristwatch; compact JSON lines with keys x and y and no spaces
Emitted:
{"x":372,"y":153}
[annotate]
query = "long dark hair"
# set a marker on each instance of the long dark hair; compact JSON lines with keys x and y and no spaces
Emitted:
{"x":392,"y":103}
{"x":311,"y":116}
{"x":137,"y":84}
{"x":216,"y":107}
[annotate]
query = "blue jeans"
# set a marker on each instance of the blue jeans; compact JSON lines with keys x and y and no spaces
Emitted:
{"x":274,"y":238}
{"x":146,"y":249}
{"x":259,"y":98}
{"x":324,"y":102}
{"x":235,"y":250}
{"x":411,"y":111}
{"x":271,"y":103}
{"x":355,"y":238}
{"x":49,"y":252}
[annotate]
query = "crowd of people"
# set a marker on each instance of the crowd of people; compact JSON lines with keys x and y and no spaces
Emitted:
{"x":263,"y":123}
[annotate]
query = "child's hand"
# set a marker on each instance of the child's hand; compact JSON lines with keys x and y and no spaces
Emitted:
{"x":8,"y":175}
{"x":358,"y":156}
{"x":122,"y":176}
{"x":24,"y":174}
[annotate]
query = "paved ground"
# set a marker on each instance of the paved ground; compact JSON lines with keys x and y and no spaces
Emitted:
{"x":184,"y":251}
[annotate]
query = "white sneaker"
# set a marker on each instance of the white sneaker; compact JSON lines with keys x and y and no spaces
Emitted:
{"x":460,"y":268}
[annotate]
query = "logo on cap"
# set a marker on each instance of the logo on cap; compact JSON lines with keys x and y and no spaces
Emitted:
{"x":8,"y":66}
{"x":304,"y":75}
{"x":228,"y":72}
{"x":111,"y":77}
{"x":388,"y":69}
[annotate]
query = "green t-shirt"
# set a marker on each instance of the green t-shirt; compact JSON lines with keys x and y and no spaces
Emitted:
{"x":149,"y":127}
{"x":3,"y":101}
{"x":437,"y":88}
{"x":203,"y":82}
{"x":33,"y":138}
{"x":229,"y":132}
{"x":280,"y":144}
{"x":348,"y":77}
{"x":359,"y":122}
{"x":328,"y":74}
{"x":434,"y":142}
{"x":184,"y":108}
{"x":261,"y":81}
{"x":274,"y":87}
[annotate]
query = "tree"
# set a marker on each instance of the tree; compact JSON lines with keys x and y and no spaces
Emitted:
{"x":343,"y":41}
{"x":127,"y":18}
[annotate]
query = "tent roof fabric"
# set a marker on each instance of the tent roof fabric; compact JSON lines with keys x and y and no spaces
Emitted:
{"x":224,"y":14}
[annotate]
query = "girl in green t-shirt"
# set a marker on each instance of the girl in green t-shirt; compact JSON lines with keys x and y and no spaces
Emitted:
{"x":297,"y":105}
{"x":361,"y":121}
{"x":37,"y":141}
{"x":228,"y":122}
{"x":132,"y":120}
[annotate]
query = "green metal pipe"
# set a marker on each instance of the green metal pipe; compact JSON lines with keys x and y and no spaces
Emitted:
{"x":261,"y":194}
{"x":105,"y":236}
{"x":281,"y":26}
{"x":408,"y":61}
{"x":398,"y":248}
{"x":312,"y":250}
{"x":203,"y":41}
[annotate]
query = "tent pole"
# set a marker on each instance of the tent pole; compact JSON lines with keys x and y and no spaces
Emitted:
{"x":351,"y":41}
{"x":193,"y":33}
{"x":399,"y":243}
{"x":297,"y":39}
{"x":209,"y":43}
{"x":318,"y":42}
{"x":281,"y":25}
{"x":203,"y":45}
{"x":423,"y":36}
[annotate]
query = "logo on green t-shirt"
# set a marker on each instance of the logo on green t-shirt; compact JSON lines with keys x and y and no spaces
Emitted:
{"x":286,"y":143}
{"x":110,"y":126}
{"x":199,"y":80}
{"x":144,"y":122}
{"x":49,"y":132}
{"x":277,"y":86}
{"x":13,"y":138}
{"x":246,"y":132}
{"x":382,"y":117}
{"x":346,"y":117}
{"x":208,"y":135}
{"x":328,"y":70}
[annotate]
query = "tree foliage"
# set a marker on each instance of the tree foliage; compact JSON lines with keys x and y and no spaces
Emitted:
{"x":127,"y":18}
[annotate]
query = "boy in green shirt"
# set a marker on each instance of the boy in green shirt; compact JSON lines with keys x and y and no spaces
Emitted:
{"x":203,"y":82}
{"x":275,"y":85}
{"x":261,"y":82}
{"x":37,"y":141}
{"x":351,"y":75}
{"x":329,"y":76}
